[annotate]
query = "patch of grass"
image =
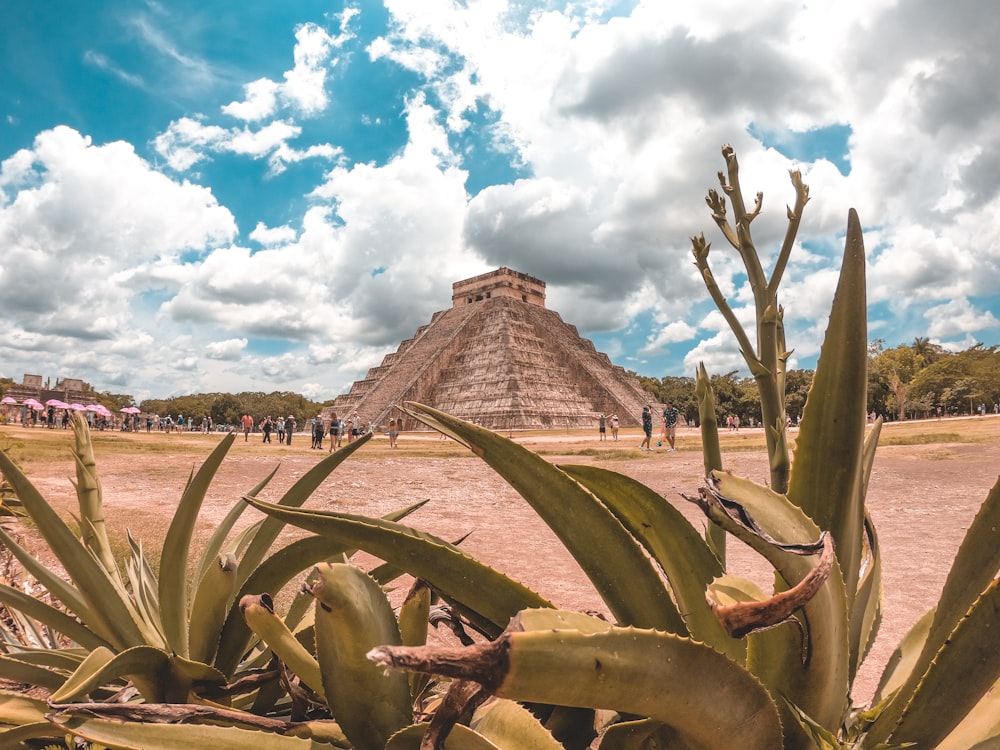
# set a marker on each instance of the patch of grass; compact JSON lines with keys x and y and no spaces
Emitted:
{"x":926,"y":438}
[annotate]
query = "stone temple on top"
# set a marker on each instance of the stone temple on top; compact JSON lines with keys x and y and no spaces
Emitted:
{"x":500,"y":358}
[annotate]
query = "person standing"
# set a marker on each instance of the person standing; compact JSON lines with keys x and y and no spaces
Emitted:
{"x":265,"y":427}
{"x":670,"y":417}
{"x":602,"y":427}
{"x":279,"y":427}
{"x":647,"y":429}
{"x":614,"y":427}
{"x":317,"y":432}
{"x":247,"y":422}
{"x":334,"y":432}
{"x":393,"y":433}
{"x":290,"y":426}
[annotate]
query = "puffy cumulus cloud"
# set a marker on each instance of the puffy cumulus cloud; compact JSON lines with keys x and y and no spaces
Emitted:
{"x":958,"y":317}
{"x":303,"y":89}
{"x":81,"y":214}
{"x":302,"y":93}
{"x":231,"y":349}
{"x":719,"y":354}
{"x":272,"y":235}
{"x":188,"y":141}
{"x":669,"y":334}
{"x":372,"y":260}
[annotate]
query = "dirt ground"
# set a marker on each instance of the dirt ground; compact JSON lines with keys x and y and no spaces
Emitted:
{"x":922,"y":498}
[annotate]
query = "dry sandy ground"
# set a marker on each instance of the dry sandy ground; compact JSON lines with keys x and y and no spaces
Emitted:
{"x":921,"y":497}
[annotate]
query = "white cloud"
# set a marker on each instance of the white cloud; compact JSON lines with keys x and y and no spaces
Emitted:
{"x":956,"y":317}
{"x":231,"y":349}
{"x":272,"y":235}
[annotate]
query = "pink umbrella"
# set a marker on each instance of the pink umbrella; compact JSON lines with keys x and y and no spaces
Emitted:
{"x":77,"y":407}
{"x":57,"y":403}
{"x":33,"y":403}
{"x":8,"y":400}
{"x":130,"y":410}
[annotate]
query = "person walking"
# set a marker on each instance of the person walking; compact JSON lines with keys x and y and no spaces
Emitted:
{"x":279,"y":427}
{"x":266,"y":427}
{"x":647,"y":429}
{"x":670,"y":417}
{"x":247,"y":422}
{"x":334,"y":432}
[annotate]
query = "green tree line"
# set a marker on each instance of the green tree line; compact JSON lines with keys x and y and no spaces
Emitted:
{"x":923,"y":379}
{"x":228,"y":408}
{"x":907,"y":382}
{"x":734,"y":395}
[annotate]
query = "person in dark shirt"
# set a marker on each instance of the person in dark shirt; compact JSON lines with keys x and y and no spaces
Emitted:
{"x":647,"y":428}
{"x":670,"y":416}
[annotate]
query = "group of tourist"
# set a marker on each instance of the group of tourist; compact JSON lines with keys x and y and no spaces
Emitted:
{"x":352,"y":428}
{"x":668,"y":431}
{"x":282,"y":426}
{"x":604,"y":423}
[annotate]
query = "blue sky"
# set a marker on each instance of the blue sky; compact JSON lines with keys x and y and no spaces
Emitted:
{"x":271,"y":196}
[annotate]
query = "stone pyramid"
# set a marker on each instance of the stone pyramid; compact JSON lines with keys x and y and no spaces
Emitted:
{"x":498,"y":357}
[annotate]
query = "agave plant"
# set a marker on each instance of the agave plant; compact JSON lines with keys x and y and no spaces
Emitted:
{"x":117,"y":631}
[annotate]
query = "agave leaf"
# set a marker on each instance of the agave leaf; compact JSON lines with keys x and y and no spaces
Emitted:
{"x":108,"y":604}
{"x":826,"y":478}
{"x":143,"y":584}
{"x":18,"y":708}
{"x":16,"y":738}
{"x":866,"y":614}
{"x":294,"y":497}
{"x":352,"y":617}
{"x":63,"y":659}
{"x":218,"y":537}
{"x":711,"y":450}
{"x":511,"y":726}
{"x":603,"y":548}
{"x":209,"y":608}
{"x":683,"y":555}
{"x":88,"y":492}
{"x":957,"y":679}
{"x":561,"y":619}
{"x":413,"y":619}
{"x":460,"y":738}
{"x":269,"y":578}
{"x":17,"y":670}
{"x":414,"y":613}
{"x":259,"y":614}
{"x":82,"y":681}
{"x":818,"y":685}
{"x":979,"y":727}
{"x":973,"y":569}
{"x":50,"y":616}
{"x":173,"y":590}
{"x":159,"y":677}
{"x":705,"y":697}
{"x":903,"y":659}
{"x":482,"y":591}
{"x":62,"y":590}
{"x":638,"y":734}
{"x":147,"y":736}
